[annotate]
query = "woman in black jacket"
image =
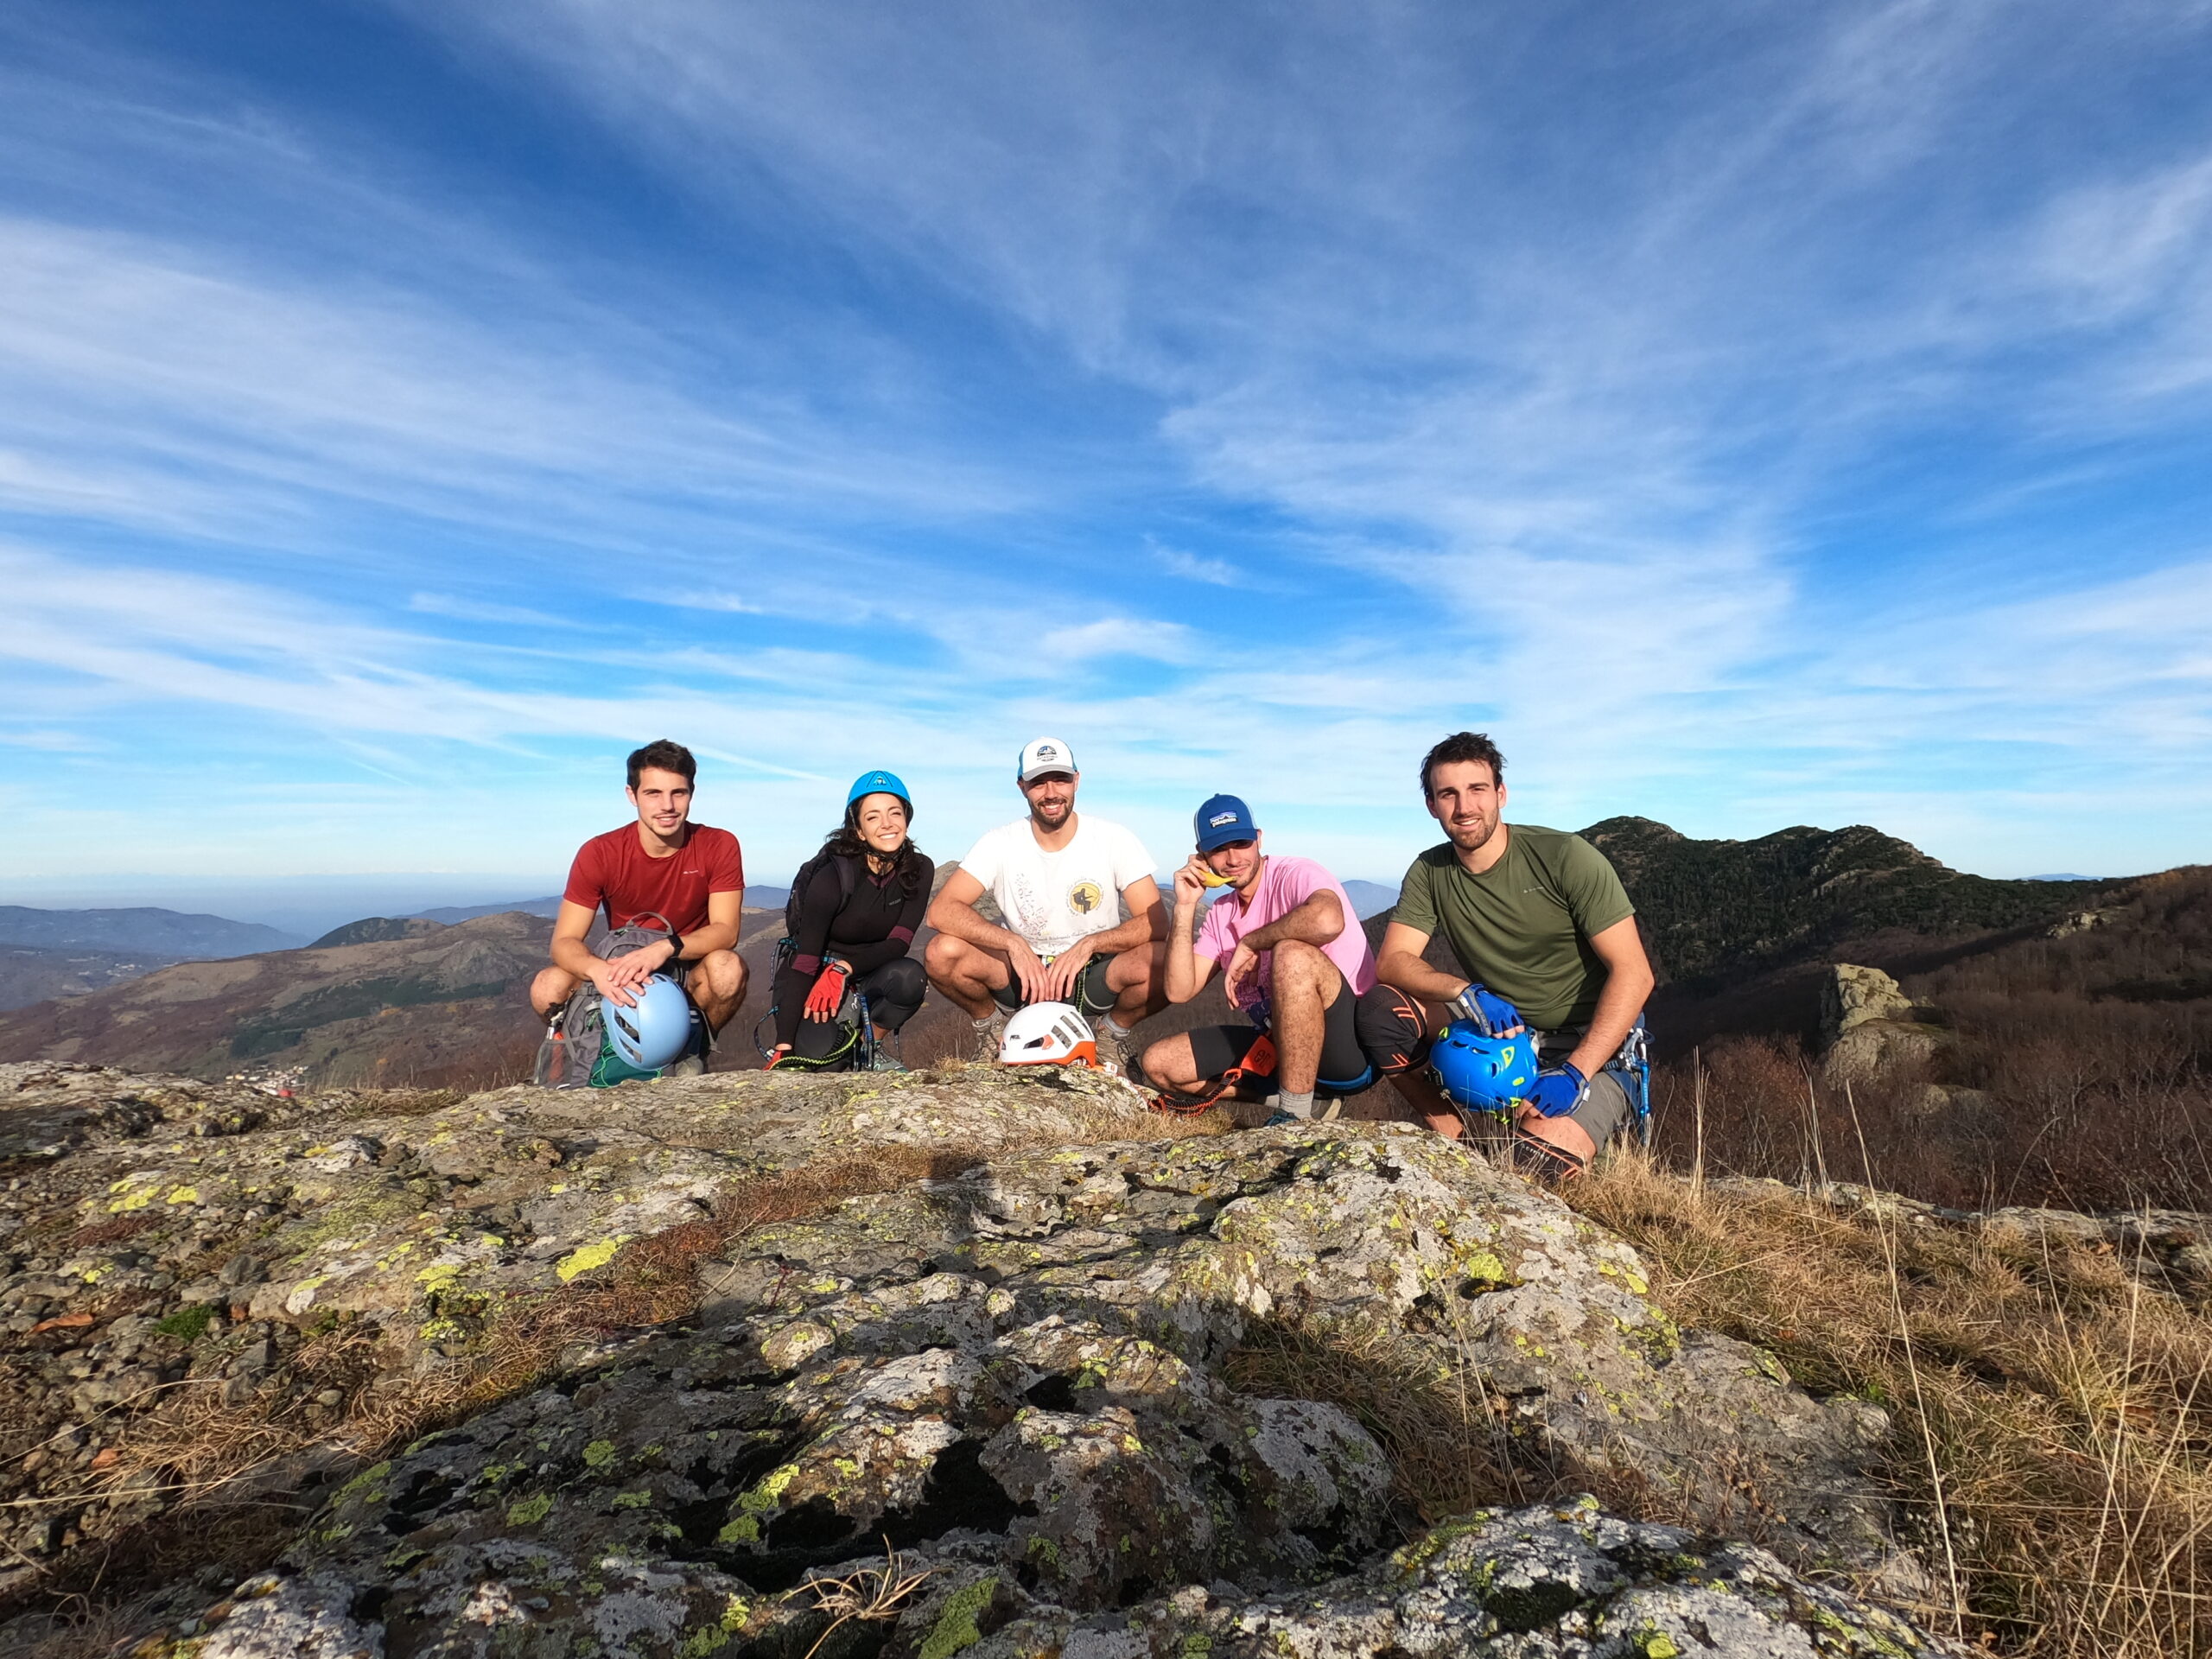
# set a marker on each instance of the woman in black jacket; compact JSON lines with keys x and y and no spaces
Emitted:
{"x":862,"y":899}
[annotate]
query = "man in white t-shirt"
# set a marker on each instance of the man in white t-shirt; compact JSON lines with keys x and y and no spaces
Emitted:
{"x":1083,"y":920}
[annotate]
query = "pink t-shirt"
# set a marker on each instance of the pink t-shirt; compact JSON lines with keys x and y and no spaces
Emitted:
{"x":1285,"y":884}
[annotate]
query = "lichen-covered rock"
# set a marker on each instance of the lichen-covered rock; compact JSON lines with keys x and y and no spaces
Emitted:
{"x":1371,"y":1236}
{"x":1015,"y":1372}
{"x":1540,"y":1583}
{"x":1531,"y":1584}
{"x":165,"y":1240}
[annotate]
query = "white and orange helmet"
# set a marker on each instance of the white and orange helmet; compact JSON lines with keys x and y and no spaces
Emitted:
{"x":1048,"y":1033}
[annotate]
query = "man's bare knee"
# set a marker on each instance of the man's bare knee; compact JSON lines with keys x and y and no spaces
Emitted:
{"x":1141,"y":966}
{"x":551,"y":988}
{"x":948,"y":960}
{"x":722,"y":975}
{"x":1299,"y":967}
{"x":1170,"y":1061}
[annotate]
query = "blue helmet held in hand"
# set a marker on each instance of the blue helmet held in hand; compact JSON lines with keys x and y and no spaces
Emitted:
{"x":656,"y":1031}
{"x":1481,"y":1073}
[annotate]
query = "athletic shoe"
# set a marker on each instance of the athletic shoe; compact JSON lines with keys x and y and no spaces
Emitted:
{"x":1280,"y":1119}
{"x":1113,"y":1050}
{"x":886,"y":1061}
{"x":988,"y":1036}
{"x":691,"y":1065}
{"x":1327,"y":1109}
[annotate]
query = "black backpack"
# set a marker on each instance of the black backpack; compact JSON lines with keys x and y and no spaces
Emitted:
{"x":848,"y":883}
{"x":575,"y":1053}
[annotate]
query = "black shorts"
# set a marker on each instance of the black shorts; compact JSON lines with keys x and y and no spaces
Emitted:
{"x":1214,"y":1049}
{"x":1090,"y":995}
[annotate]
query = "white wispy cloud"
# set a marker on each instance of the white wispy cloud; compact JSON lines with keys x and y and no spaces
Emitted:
{"x":463,"y":609}
{"x":1218,"y":572}
{"x":1113,"y":635}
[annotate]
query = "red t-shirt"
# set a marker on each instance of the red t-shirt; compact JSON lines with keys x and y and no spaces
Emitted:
{"x":615,"y":870}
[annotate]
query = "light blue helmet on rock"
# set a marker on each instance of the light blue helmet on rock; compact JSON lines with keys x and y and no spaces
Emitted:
{"x":1480,"y":1073}
{"x":654,"y":1033}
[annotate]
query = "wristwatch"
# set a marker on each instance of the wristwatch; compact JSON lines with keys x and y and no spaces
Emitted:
{"x":676,"y":939}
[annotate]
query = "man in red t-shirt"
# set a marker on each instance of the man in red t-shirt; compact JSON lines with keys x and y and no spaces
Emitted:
{"x":664,"y":870}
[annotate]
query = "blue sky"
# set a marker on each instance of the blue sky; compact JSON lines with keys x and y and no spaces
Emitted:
{"x":1749,"y":414}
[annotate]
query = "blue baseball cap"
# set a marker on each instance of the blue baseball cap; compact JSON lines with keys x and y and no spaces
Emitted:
{"x":1222,"y":820}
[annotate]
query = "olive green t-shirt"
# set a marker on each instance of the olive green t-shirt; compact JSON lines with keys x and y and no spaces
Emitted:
{"x":1522,"y":927}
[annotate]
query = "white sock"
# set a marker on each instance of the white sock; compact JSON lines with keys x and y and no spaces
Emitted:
{"x":1116,"y":1028}
{"x":1296,"y":1105}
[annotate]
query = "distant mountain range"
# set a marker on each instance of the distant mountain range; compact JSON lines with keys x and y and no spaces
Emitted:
{"x":755,"y":898}
{"x":1721,"y":910}
{"x":46,"y":953}
{"x":28,"y":975}
{"x":141,"y":931}
{"x":449,"y":914}
{"x":442,"y":1004}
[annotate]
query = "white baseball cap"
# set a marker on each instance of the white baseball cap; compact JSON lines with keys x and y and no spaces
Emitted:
{"x":1042,"y":754}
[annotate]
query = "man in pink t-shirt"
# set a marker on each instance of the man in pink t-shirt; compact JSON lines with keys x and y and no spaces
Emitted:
{"x":1296,"y":962}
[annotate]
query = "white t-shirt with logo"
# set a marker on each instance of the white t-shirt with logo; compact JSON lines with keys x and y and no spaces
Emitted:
{"x":1053,"y":898}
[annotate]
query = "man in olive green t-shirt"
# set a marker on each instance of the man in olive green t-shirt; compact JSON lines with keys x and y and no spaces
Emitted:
{"x":1540,"y":919}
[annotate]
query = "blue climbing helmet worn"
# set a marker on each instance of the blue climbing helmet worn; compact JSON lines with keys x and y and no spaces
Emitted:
{"x":879,"y":783}
{"x":1482,"y":1074}
{"x":656,"y":1031}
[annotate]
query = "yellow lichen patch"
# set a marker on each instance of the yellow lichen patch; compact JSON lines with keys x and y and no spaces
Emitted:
{"x":583,"y":1260}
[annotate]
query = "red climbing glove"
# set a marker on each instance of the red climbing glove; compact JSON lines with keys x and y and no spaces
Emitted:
{"x":828,"y":993}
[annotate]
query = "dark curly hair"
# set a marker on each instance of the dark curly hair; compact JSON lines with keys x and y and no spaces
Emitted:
{"x":845,"y":842}
{"x":1459,"y":748}
{"x":664,"y":755}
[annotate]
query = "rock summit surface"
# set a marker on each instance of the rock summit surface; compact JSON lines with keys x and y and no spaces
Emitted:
{"x":1021,"y":1375}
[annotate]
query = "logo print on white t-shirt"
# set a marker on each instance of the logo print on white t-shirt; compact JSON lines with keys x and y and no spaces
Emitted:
{"x":1084,"y":896}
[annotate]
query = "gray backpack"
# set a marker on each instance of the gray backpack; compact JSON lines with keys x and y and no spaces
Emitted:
{"x":575,"y":1053}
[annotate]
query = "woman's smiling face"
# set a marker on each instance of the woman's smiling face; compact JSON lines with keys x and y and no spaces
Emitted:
{"x":882,"y":822}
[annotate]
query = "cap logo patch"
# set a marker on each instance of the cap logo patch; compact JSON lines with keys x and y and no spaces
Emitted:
{"x":1220,"y":818}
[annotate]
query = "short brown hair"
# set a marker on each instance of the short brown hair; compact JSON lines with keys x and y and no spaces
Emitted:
{"x":1462,"y":746}
{"x":664,"y":755}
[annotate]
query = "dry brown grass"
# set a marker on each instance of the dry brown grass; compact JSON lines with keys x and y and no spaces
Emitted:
{"x":2054,"y":1435}
{"x":1447,"y":1438}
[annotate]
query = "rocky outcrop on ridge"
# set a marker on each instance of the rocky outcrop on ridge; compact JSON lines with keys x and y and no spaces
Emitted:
{"x":1017,"y":1371}
{"x":1869,"y":1026}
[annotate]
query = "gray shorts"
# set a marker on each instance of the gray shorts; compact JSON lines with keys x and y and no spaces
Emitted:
{"x":1605,"y":1106}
